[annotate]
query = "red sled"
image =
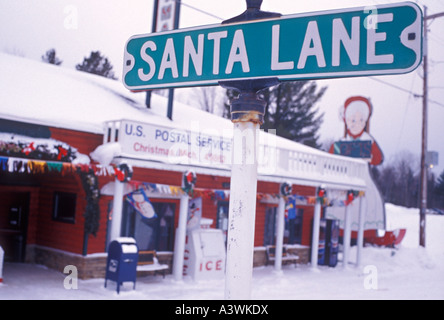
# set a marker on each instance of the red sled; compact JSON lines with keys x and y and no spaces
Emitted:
{"x":389,"y":239}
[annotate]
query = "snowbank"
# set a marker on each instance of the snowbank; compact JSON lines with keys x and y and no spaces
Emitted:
{"x":410,"y":272}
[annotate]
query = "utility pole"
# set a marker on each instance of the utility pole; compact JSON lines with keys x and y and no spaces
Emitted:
{"x":423,"y":185}
{"x":171,"y":91}
{"x":423,"y":189}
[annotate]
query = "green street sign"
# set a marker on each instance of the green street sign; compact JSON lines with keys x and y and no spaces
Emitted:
{"x":377,"y":40}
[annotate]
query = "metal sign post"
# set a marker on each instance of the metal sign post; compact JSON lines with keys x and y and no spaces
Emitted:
{"x":247,"y":114}
{"x":166,"y":17}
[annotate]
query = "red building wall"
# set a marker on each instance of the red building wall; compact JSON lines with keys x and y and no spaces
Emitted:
{"x":57,"y":234}
{"x":70,"y":237}
{"x":84,"y":142}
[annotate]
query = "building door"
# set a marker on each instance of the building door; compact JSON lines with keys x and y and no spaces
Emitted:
{"x":14,"y":209}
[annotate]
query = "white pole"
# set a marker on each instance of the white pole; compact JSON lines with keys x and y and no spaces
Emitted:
{"x":315,"y":239}
{"x":347,"y":236}
{"x":279,"y":234}
{"x":360,"y":231}
{"x":2,"y":255}
{"x":116,"y":219}
{"x":242,"y":212}
{"x":179,"y":242}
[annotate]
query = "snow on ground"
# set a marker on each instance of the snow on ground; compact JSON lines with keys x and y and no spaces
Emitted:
{"x":409,"y":272}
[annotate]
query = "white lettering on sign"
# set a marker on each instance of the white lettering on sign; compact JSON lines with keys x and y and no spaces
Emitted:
{"x":350,"y":42}
{"x":312,"y":36}
{"x":147,"y":76}
{"x":196,"y":56}
{"x":373,"y":37}
{"x":169,"y":60}
{"x":275,"y":63}
{"x":216,"y":36}
{"x":238,"y":53}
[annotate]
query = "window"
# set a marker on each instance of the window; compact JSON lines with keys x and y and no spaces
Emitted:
{"x":64,"y":207}
{"x":156,"y":233}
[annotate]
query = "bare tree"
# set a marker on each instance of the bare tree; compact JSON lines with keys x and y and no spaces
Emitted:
{"x":398,"y":179}
{"x":208,"y":98}
{"x":439,"y":191}
{"x":15,"y":52}
{"x":407,"y":183}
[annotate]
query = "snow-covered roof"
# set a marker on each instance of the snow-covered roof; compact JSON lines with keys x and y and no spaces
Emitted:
{"x":41,"y":93}
{"x":45,"y":94}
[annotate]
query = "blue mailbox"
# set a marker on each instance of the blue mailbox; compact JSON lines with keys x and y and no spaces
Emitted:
{"x":122,"y":261}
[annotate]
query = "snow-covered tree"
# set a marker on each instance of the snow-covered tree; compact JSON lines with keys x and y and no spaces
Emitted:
{"x":439,"y":190}
{"x":51,"y":57}
{"x":97,"y":64}
{"x":291,"y":111}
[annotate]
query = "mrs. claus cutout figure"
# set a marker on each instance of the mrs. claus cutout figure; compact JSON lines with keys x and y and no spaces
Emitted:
{"x":357,"y":142}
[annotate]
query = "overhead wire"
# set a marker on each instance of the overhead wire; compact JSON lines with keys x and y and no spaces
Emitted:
{"x":415,"y":95}
{"x":200,"y":10}
{"x":409,"y":99}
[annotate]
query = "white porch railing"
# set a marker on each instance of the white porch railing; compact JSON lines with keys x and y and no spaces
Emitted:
{"x":278,"y":159}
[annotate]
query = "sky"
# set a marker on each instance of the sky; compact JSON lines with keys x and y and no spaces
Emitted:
{"x":76,"y":27}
